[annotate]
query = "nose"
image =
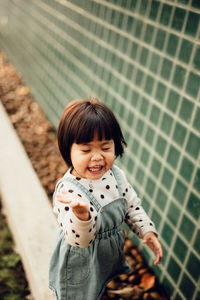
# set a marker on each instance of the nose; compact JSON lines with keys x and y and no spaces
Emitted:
{"x":96,"y":156}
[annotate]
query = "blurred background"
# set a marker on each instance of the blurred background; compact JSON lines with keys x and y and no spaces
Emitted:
{"x":142,"y":58}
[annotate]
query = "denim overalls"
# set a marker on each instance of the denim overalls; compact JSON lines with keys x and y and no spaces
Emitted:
{"x":82,"y":273}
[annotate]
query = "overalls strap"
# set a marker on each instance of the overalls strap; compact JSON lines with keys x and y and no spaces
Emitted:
{"x":88,"y":194}
{"x":118,"y":179}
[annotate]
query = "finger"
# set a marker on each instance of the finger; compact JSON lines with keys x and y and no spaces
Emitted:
{"x":158,"y":260}
{"x":78,"y":204}
{"x":62,"y":194}
{"x":159,"y":255}
{"x":62,"y":199}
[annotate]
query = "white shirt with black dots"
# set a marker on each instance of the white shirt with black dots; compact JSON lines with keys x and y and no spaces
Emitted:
{"x":81,"y":233}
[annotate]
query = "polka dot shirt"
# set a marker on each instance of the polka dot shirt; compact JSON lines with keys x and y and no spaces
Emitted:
{"x":81,"y":233}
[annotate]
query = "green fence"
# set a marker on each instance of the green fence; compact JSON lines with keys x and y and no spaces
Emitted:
{"x":143,"y":59}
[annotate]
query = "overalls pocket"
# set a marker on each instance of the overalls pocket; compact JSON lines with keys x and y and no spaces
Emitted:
{"x":77,"y":266}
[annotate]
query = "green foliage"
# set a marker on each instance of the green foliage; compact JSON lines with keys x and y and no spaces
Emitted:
{"x":13,"y":284}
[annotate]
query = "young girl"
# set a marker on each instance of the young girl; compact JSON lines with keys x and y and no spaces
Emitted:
{"x":92,"y":202}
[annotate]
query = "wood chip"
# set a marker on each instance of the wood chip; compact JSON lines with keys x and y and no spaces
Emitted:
{"x":147,"y":281}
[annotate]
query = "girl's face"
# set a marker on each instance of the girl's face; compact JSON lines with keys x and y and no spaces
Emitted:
{"x":91,"y":160}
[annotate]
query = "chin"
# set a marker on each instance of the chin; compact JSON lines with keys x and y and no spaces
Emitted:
{"x":95,"y":176}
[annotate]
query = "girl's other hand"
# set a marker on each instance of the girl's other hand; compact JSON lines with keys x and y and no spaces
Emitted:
{"x":79,"y":208}
{"x":151,"y":240}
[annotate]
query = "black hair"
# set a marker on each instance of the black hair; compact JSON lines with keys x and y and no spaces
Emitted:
{"x":81,"y":120}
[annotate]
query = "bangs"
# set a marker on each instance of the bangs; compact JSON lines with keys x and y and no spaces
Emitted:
{"x":91,"y":125}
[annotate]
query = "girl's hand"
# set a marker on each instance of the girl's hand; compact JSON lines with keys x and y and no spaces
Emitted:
{"x":79,"y":208}
{"x":153,"y":243}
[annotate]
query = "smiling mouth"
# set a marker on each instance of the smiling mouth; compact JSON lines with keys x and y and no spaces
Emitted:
{"x":95,"y":169}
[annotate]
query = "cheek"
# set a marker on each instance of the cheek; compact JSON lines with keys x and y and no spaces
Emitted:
{"x":79,"y":159}
{"x":111,"y":158}
{"x":75,"y":157}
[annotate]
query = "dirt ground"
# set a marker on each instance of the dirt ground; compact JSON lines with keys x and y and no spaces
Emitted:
{"x":39,"y":140}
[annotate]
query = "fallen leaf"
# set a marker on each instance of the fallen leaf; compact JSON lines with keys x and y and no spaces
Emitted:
{"x":125,"y":292}
{"x":111,"y":284}
{"x":132,"y":277}
{"x":135,"y":292}
{"x":147,"y":281}
{"x":142,"y":271}
{"x":123,"y":277}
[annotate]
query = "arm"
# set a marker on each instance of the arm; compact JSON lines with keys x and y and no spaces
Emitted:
{"x":136,"y":216}
{"x":74,"y":217}
{"x":139,"y":222}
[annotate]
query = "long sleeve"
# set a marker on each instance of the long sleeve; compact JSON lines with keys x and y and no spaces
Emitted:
{"x":78,"y":233}
{"x":136,"y":217}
